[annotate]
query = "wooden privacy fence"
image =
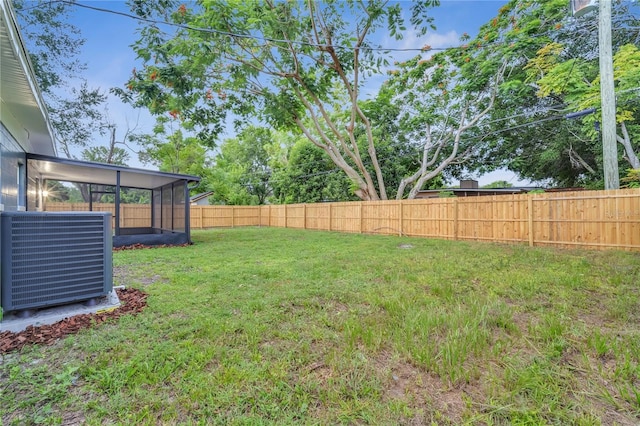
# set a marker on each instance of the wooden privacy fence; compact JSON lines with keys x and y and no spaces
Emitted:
{"x":588,"y":219}
{"x":131,"y":215}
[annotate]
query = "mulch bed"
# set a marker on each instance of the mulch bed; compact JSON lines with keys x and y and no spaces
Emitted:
{"x":139,"y":246}
{"x":132,"y":301}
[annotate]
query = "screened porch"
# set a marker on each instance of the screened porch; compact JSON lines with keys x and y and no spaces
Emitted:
{"x":166,"y":221}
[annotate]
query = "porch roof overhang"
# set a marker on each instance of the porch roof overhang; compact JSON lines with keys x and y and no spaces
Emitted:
{"x":68,"y":170}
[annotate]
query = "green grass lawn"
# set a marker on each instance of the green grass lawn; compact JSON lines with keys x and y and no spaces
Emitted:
{"x":256,"y":326}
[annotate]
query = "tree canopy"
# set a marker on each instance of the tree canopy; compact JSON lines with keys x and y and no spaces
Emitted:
{"x":556,"y":72}
{"x":241,"y":171}
{"x":54,"y":46}
{"x":290,"y":77}
{"x":292,"y":65}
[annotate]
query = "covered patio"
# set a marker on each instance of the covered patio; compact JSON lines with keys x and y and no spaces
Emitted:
{"x":169,"y":195}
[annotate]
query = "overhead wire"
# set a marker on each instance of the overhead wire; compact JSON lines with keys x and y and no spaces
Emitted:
{"x":275,"y":40}
{"x":482,"y":136}
{"x":238,"y":35}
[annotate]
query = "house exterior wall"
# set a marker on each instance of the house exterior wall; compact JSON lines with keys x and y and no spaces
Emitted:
{"x":12,"y":173}
{"x":12,"y":182}
{"x":202,"y":202}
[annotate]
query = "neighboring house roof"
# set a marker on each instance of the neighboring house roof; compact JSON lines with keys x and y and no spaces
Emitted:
{"x":469,"y":192}
{"x":22,"y":108}
{"x":198,"y":197}
{"x":68,"y":170}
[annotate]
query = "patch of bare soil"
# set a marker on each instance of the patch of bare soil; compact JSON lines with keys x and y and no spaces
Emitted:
{"x":433,"y":400}
{"x":126,"y":274}
{"x":73,"y":419}
{"x":132,"y":301}
{"x":594,"y":378}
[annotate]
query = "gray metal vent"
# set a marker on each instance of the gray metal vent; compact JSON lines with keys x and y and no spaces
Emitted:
{"x":54,"y":258}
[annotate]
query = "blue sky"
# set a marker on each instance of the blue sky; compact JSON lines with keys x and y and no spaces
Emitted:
{"x":110,"y":59}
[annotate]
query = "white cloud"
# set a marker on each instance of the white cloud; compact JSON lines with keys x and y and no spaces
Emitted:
{"x":413,"y":40}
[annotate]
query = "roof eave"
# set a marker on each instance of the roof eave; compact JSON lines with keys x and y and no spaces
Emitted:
{"x":33,"y":118}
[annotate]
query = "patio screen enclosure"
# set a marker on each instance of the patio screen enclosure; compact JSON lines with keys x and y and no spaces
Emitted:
{"x":169,"y":195}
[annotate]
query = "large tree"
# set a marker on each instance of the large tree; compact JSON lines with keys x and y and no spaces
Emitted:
{"x":110,"y":154}
{"x":553,"y":60}
{"x":55,"y":45}
{"x":577,"y":80}
{"x":241,"y":170}
{"x":172,"y":151}
{"x":444,"y":99}
{"x":77,"y":112}
{"x":286,"y":63}
{"x":309,"y":176}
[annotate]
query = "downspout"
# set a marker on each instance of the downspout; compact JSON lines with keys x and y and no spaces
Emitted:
{"x":194,"y":186}
{"x":24,"y":175}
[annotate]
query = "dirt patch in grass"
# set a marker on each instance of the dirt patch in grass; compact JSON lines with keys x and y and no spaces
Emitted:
{"x":73,"y":419}
{"x":596,"y":389}
{"x":320,"y":371}
{"x":426,"y":393}
{"x":65,"y":418}
{"x":126,"y":274}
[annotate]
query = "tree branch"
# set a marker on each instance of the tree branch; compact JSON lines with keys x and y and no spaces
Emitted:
{"x":625,"y":141}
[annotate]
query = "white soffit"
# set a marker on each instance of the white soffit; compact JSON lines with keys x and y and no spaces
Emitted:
{"x":19,"y":92}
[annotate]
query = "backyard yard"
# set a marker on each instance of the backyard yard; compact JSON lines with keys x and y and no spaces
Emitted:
{"x":281,"y":326}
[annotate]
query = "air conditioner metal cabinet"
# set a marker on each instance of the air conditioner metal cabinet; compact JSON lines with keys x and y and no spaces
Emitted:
{"x":54,"y":258}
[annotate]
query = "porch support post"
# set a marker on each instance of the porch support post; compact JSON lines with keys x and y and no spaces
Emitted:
{"x":187,"y":212}
{"x":173,"y":209}
{"x":153,"y":210}
{"x":117,"y":215}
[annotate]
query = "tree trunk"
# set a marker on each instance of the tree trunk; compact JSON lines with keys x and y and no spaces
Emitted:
{"x":625,"y":141}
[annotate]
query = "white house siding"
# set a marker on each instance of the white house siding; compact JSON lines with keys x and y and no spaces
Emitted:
{"x":12,"y":182}
{"x":12,"y":173}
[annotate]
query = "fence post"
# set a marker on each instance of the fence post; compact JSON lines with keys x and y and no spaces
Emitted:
{"x":233,"y":216}
{"x":400,"y":230}
{"x":304,"y":218}
{"x":530,"y":214}
{"x":361,"y":215}
{"x":285,"y":215}
{"x":617,"y":222}
{"x":329,"y":216}
{"x":455,"y":218}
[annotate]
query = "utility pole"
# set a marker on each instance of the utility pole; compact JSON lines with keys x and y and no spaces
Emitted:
{"x":608,"y":99}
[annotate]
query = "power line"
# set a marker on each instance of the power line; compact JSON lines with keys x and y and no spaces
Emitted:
{"x":482,"y":136}
{"x":275,"y":40}
{"x":551,"y":108}
{"x":542,"y":120}
{"x":244,"y":36}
